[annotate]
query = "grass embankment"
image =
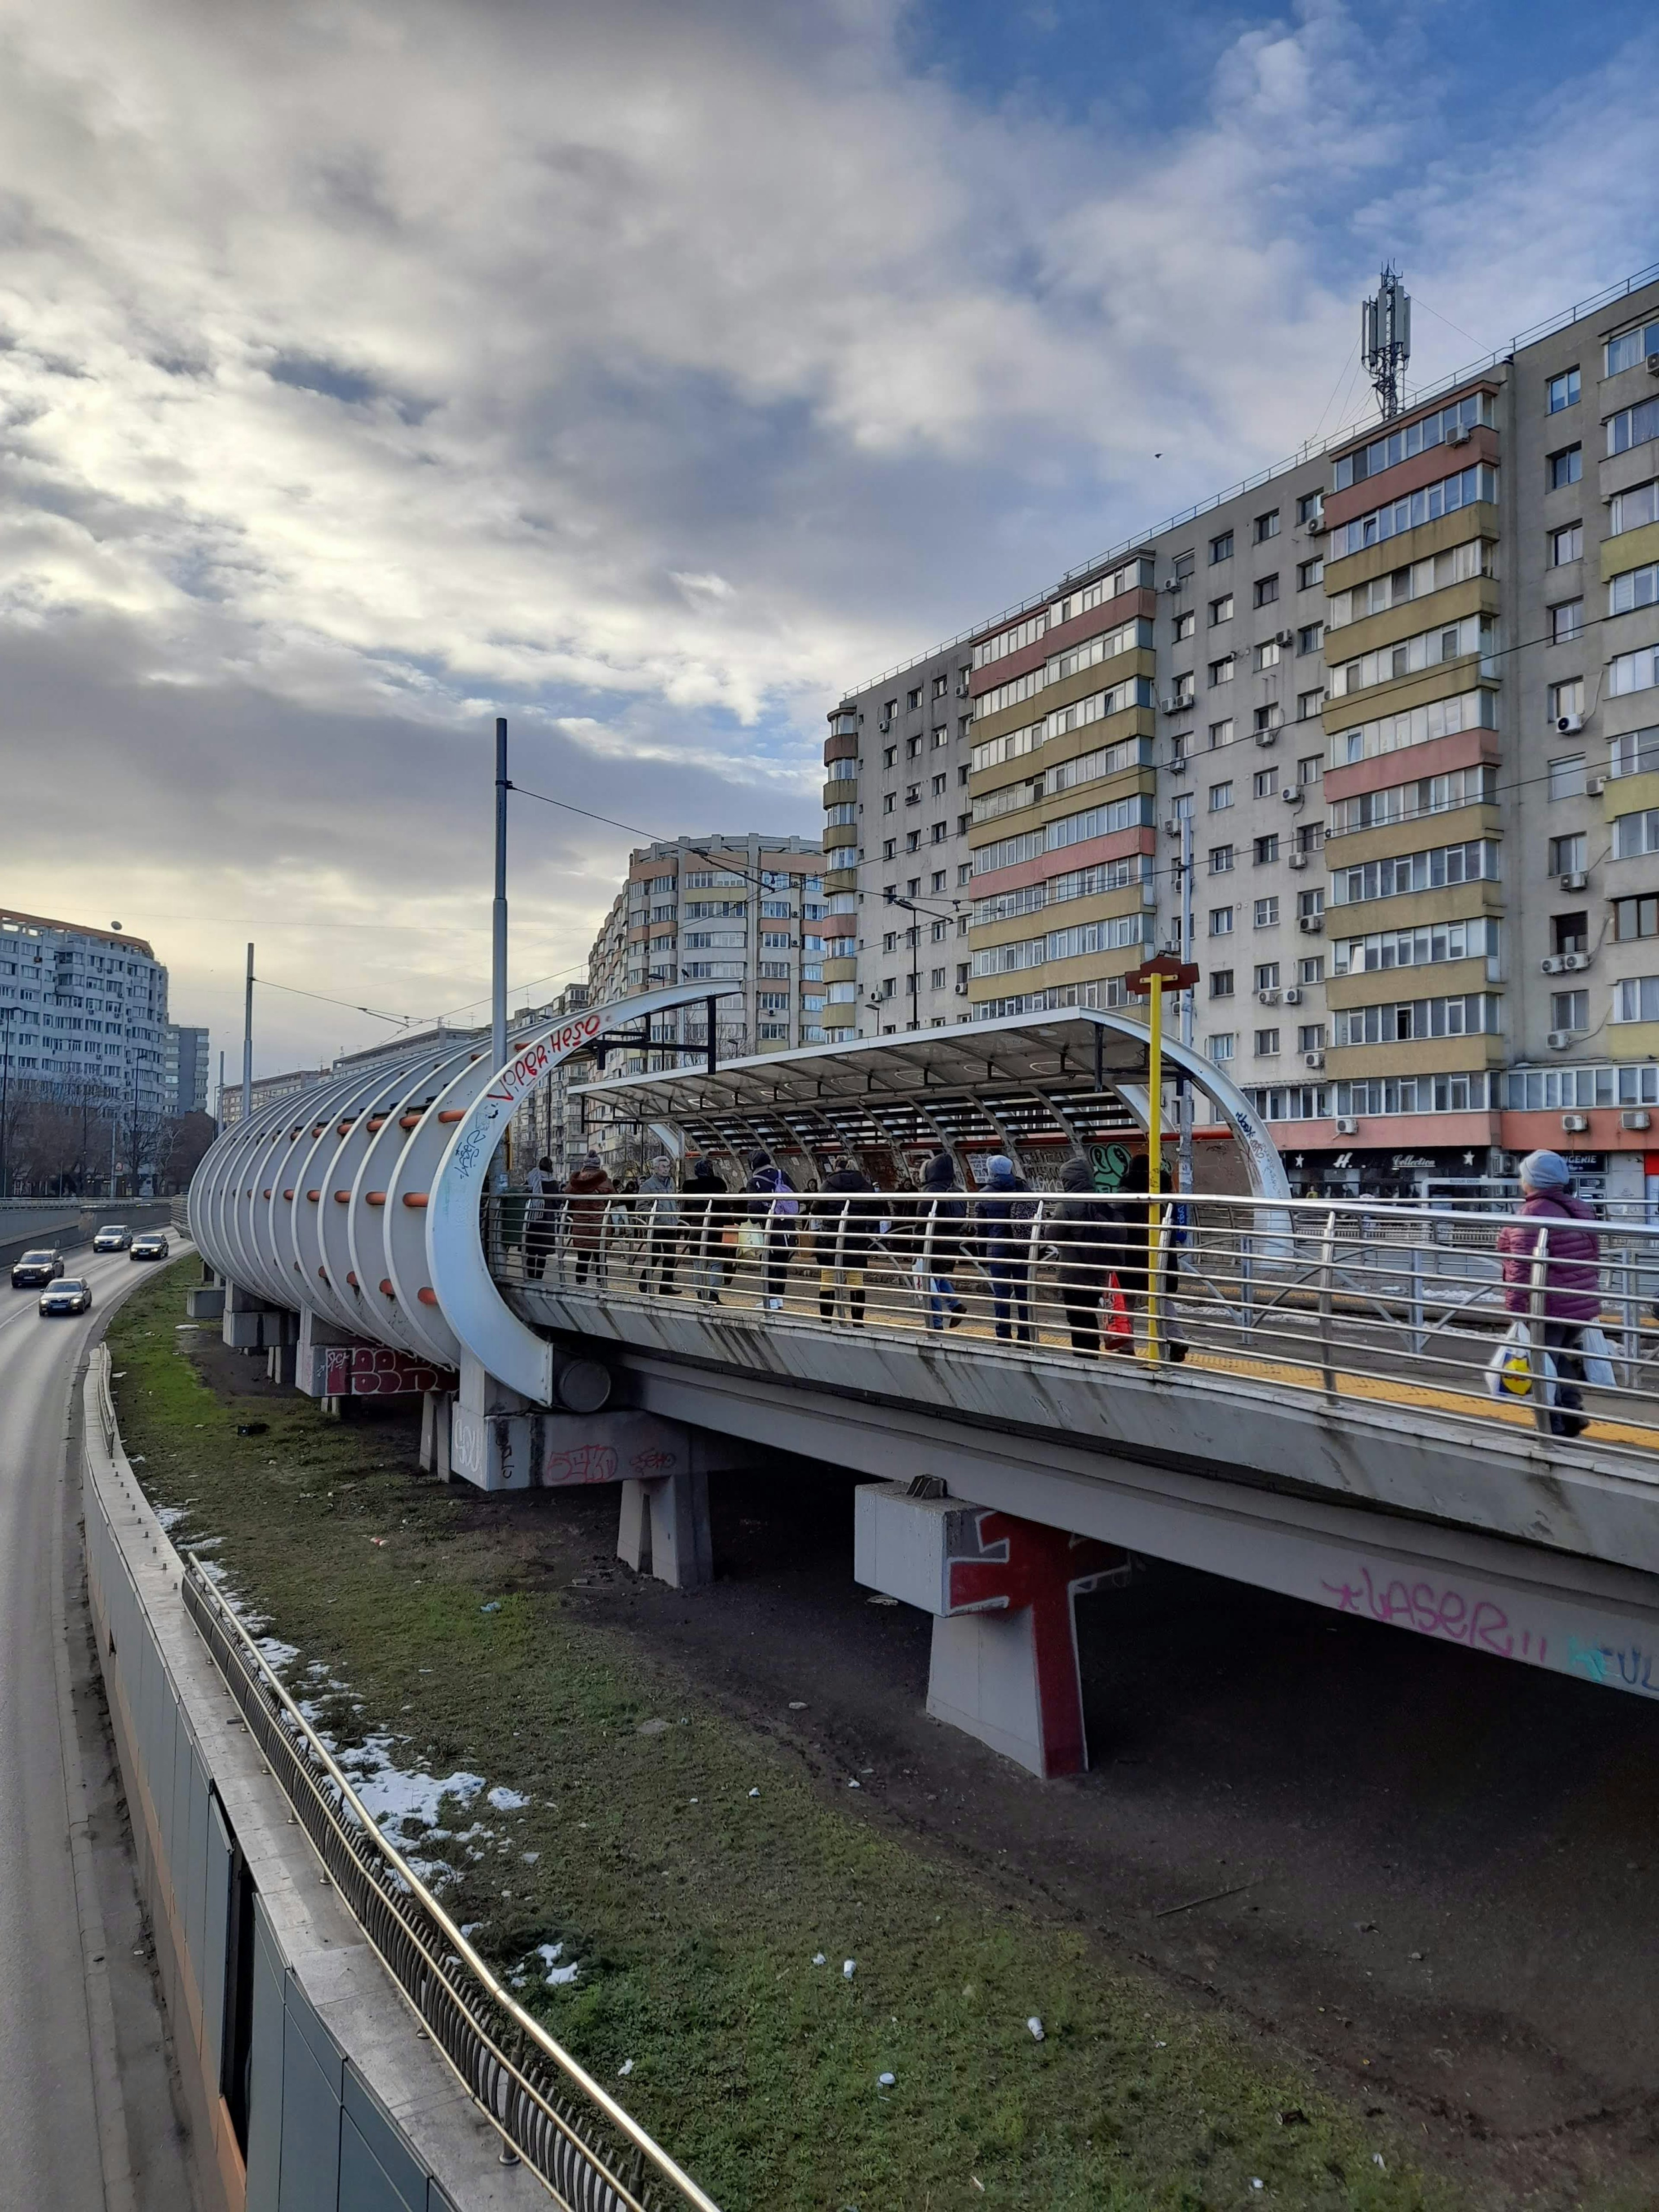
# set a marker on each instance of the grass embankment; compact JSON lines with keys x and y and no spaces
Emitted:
{"x":695,"y":1907}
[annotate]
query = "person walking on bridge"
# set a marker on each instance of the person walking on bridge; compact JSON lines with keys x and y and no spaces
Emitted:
{"x":1005,"y":1238}
{"x":589,"y":1202}
{"x":541,"y":1219}
{"x":847,"y":1225}
{"x":1551,"y":1211}
{"x":774,"y":1207}
{"x":940,"y":1216}
{"x":1095,"y":1242}
{"x":705,"y":1209}
{"x":661,"y":1225}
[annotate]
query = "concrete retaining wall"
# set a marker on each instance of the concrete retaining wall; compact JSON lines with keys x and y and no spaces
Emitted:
{"x":64,"y":1224}
{"x":338,"y":2107}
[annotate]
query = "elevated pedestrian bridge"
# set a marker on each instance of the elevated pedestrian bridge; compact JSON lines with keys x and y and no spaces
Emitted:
{"x":1292,"y":1393}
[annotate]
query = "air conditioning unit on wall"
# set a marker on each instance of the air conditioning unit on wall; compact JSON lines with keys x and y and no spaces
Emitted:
{"x":1575,"y":1124}
{"x":1641,"y":1119}
{"x":1347,"y":1126}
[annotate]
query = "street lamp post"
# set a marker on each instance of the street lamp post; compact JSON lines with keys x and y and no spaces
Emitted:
{"x":498,"y":911}
{"x":6,"y":1014}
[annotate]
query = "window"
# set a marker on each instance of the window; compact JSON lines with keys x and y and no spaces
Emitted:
{"x":1633,"y":672}
{"x":1184,"y":563}
{"x":1221,"y":671}
{"x":1311,"y":970}
{"x":1568,"y":933}
{"x":1266,"y":849}
{"x":889,"y":801}
{"x":1637,"y":588}
{"x":1311,"y":637}
{"x":1566,"y":621}
{"x":1310,"y":1038}
{"x":1564,"y":468}
{"x":1413,"y":438}
{"x":887,"y":848}
{"x":1309,"y":704}
{"x":1221,"y":921}
{"x":1633,"y":509}
{"x":1631,"y":346}
{"x":1266,"y":591}
{"x":1635,"y":917}
{"x":1220,"y":1047}
{"x":1567,"y":854}
{"x":1633,"y":426}
{"x":1221,"y":733}
{"x":1186,"y":624}
{"x":912,"y":747}
{"x":1182,"y":806}
{"x":937,"y":882}
{"x":1566,"y":698}
{"x":1470,"y":487}
{"x":1266,"y":717}
{"x":1634,"y":753}
{"x":1569,"y":1010}
{"x":941,"y":738}
{"x":937,"y":979}
{"x":1310,"y":573}
{"x":963,"y":773}
{"x":1310,"y":507}
{"x":1267,"y":1043}
{"x":1221,"y":610}
{"x":1221,"y":982}
{"x":1266,"y":914}
{"x":913,"y":794}
{"x":1636,"y":999}
{"x":1414,"y":725}
{"x":1427,"y":648}
{"x":1474,"y":861}
{"x":1182,"y":689}
{"x":1566,"y":544}
{"x":1221,"y":547}
{"x":1221,"y":859}
{"x":1635,"y":835}
{"x":1562,"y":391}
{"x":1266,"y":653}
{"x":914,"y":700}
{"x":1265,"y":782}
{"x":913,"y":841}
{"x":1221,"y":798}
{"x":1266,"y":976}
{"x":941,"y":684}
{"x":1267,"y":526}
{"x":939,"y":783}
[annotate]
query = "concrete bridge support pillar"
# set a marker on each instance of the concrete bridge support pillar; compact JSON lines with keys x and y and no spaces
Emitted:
{"x":664,"y":1529}
{"x":249,"y":1324}
{"x":434,"y":1431}
{"x":1002,"y":1593}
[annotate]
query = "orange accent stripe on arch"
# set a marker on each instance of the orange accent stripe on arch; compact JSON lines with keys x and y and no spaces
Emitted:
{"x":414,"y":1198}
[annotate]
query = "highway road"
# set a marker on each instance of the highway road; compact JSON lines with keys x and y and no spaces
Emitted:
{"x":88,"y":2122}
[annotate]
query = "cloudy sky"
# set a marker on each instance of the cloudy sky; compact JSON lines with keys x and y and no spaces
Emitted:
{"x":649,"y":373}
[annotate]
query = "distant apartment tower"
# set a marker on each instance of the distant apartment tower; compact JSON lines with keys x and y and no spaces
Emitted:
{"x":184,"y":1069}
{"x":83,"y":1013}
{"x":268,"y":1091}
{"x":1400,"y":697}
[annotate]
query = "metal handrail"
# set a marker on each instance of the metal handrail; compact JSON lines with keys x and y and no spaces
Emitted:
{"x":1355,"y":1298}
{"x":520,"y":2075}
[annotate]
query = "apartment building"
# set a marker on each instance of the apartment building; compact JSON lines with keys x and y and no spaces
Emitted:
{"x":83,"y":1014}
{"x":184,"y":1069}
{"x":1399,"y":701}
{"x":743,"y":914}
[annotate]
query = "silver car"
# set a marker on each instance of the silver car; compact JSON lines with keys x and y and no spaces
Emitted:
{"x":67,"y":1297}
{"x":115,"y":1237}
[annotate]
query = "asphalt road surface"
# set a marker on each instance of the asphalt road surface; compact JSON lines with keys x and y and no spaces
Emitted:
{"x":87,"y":2121}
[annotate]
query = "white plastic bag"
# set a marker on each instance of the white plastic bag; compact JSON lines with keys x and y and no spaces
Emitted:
{"x":1597,"y":1354}
{"x":1509,"y":1371}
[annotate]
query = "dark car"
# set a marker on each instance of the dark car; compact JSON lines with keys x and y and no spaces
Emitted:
{"x":152,"y":1245}
{"x":67,"y":1297}
{"x":35,"y":1270}
{"x":114,"y":1237}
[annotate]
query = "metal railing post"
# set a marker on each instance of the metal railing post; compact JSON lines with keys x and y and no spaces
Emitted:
{"x":1327,"y":1268}
{"x":1537,"y":1317}
{"x":1419,"y":1337}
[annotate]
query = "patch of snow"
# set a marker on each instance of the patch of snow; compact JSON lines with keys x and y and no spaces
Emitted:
{"x":169,"y":1516}
{"x":275,"y":1652}
{"x":556,"y":1975}
{"x":506,"y":1801}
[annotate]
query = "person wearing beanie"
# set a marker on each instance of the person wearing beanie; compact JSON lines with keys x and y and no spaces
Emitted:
{"x":1550,"y":1210}
{"x":705,"y":1230}
{"x":769,"y":1233}
{"x":661,"y":1212}
{"x":588,"y":1202}
{"x":936,"y":1219}
{"x":1005,"y":1238}
{"x":848,"y":1218}
{"x":1094,"y":1239}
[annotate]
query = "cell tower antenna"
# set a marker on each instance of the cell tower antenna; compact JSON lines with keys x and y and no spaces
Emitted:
{"x":1385,"y":339}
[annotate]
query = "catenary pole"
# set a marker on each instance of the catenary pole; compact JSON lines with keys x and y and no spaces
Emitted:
{"x":247,"y":1042}
{"x":498,"y":915}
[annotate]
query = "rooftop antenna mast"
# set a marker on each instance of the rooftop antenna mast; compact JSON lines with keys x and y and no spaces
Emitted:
{"x":1385,"y":339}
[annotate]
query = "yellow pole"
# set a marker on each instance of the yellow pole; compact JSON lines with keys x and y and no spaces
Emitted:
{"x":1154,"y":1161}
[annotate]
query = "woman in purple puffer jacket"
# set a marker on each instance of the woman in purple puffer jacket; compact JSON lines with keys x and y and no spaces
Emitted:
{"x":1572,"y":1267}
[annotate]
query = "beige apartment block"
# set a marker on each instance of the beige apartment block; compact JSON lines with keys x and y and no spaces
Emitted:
{"x":1399,"y":700}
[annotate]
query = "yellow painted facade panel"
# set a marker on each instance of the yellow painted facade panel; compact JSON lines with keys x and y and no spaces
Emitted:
{"x":1421,"y":1056}
{"x":1455,"y":826}
{"x":1452,"y":903}
{"x":1630,"y":795}
{"x":1477,"y":521}
{"x":1123,"y":785}
{"x":1398,"y":696}
{"x":1063,"y":916}
{"x":1444,"y":979}
{"x":1100,"y":678}
{"x":1632,"y":1039}
{"x":1479,"y":596}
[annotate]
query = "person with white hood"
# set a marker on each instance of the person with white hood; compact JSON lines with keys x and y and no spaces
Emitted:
{"x":1572,"y":1286}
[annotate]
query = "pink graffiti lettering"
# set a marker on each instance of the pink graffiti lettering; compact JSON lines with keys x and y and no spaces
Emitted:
{"x":1481,"y":1623}
{"x":581,"y":1463}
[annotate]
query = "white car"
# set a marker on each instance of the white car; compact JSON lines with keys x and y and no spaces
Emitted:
{"x":114,"y":1238}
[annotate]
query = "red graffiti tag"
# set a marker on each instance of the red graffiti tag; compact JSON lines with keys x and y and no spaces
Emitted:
{"x":581,"y":1463}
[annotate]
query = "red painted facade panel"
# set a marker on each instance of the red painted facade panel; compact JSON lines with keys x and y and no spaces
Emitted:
{"x":1463,"y":749}
{"x":1410,"y":476}
{"x":1106,"y":616}
{"x":1038,"y":870}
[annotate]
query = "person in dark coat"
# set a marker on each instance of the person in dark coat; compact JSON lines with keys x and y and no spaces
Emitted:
{"x":937,"y":1229}
{"x":1094,"y":1242}
{"x":847,"y":1221}
{"x":704,"y":1204}
{"x":542,"y":1219}
{"x":1004,"y":1217}
{"x":1572,"y":1280}
{"x":773,"y":1208}
{"x":587,"y":1202}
